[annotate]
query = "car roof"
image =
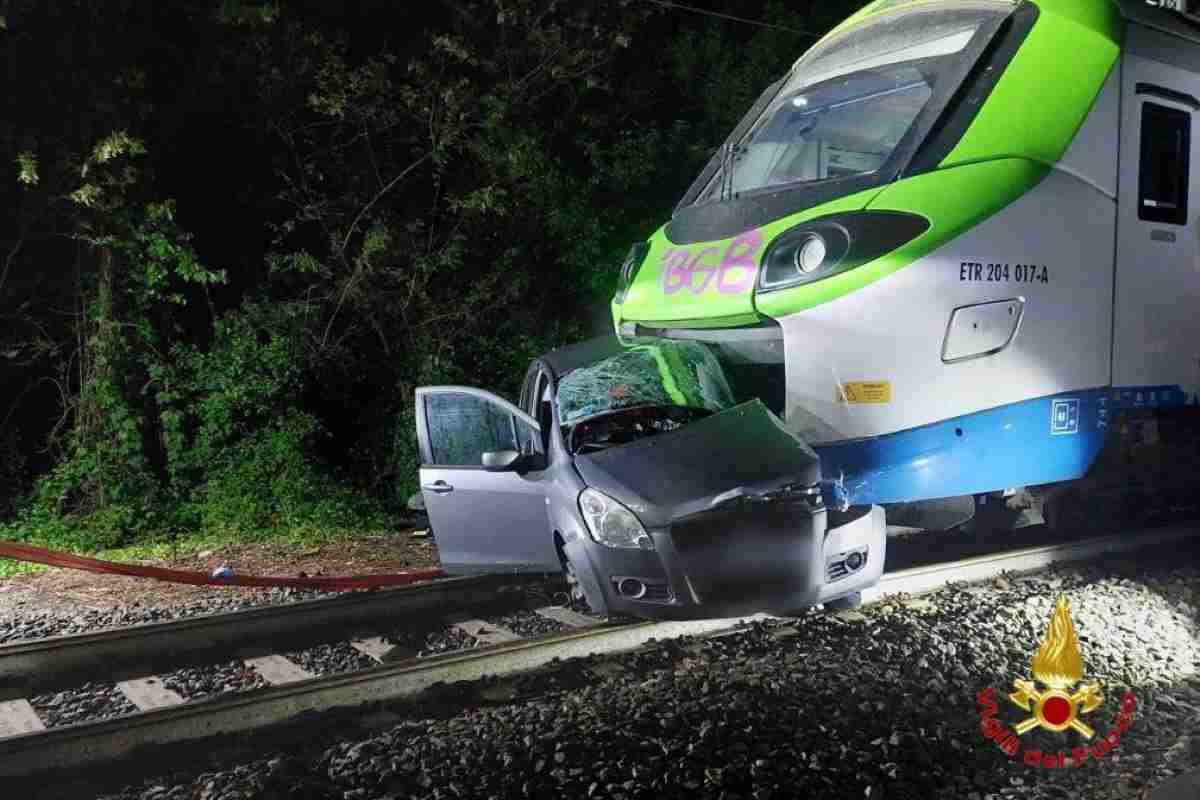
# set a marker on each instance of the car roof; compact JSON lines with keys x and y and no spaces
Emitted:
{"x":564,"y":359}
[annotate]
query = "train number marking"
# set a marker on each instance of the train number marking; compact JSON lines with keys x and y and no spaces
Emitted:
{"x":977,"y":271}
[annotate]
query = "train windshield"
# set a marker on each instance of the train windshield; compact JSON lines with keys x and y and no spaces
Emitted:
{"x":851,"y":102}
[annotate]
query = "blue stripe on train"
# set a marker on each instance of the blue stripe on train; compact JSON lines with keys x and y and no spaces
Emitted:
{"x":1045,"y":440}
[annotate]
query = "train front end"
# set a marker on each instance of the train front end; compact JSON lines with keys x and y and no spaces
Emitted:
{"x":907,"y":243}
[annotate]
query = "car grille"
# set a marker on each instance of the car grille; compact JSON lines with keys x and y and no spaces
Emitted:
{"x":756,"y":551}
{"x":657,"y":591}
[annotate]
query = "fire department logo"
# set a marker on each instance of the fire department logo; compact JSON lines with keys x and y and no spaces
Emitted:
{"x":1059,"y":666}
{"x":1055,"y":700}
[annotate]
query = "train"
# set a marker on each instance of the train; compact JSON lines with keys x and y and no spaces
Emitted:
{"x":955,"y":250}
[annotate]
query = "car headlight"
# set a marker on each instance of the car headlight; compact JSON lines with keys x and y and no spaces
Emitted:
{"x":611,"y":523}
{"x":633,"y":261}
{"x":828,"y":246}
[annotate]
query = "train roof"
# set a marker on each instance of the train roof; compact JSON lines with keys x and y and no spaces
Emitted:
{"x":1139,"y":12}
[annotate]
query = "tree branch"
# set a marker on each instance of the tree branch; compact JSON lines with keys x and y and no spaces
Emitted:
{"x":382,"y":192}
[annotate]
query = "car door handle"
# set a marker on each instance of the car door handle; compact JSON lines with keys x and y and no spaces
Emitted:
{"x":441,"y":487}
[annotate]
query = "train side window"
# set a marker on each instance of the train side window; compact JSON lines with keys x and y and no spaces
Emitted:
{"x":1163,"y":172}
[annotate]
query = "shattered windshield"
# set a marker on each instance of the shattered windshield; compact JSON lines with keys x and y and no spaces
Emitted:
{"x":662,"y":386}
{"x":848,"y":103}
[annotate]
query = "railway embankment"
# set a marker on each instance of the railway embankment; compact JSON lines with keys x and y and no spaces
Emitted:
{"x":884,"y":701}
{"x":56,"y":602}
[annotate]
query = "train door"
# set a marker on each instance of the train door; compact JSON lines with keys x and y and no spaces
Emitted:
{"x":1156,"y":309}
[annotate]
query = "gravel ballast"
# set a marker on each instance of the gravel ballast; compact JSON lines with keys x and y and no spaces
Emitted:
{"x":528,"y":624}
{"x":430,"y":641}
{"x":44,"y":625}
{"x":875,"y":703}
{"x":195,"y":683}
{"x":328,"y":659}
{"x":91,"y":702}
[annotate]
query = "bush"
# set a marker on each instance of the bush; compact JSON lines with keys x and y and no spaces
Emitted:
{"x":266,"y":483}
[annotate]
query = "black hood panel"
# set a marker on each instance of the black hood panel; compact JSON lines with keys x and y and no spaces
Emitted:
{"x":672,"y":475}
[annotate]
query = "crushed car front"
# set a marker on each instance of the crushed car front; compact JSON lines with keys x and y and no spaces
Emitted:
{"x":699,"y":502}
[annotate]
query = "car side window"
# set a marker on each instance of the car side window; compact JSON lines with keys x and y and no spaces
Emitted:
{"x":462,"y":427}
{"x":528,"y":397}
{"x":531,"y":442}
{"x":543,"y":409}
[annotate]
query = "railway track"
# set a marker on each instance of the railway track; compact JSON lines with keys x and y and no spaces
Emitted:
{"x":45,"y":665}
{"x":29,"y":753}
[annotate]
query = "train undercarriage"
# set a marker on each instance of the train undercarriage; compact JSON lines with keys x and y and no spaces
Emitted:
{"x":1147,"y":474}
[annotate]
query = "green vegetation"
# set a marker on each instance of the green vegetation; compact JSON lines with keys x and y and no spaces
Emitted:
{"x":355,"y":214}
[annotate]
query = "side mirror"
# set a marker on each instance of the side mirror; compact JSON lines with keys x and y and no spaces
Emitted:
{"x":501,"y":460}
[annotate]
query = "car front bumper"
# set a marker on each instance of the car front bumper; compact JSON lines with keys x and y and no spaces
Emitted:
{"x":778,"y":557}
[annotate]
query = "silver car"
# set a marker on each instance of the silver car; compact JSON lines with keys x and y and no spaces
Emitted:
{"x":647,"y":480}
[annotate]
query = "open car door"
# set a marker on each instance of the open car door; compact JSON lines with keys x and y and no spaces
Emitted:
{"x":482,"y":478}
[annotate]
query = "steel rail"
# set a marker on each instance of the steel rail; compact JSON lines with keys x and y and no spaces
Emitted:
{"x":928,"y":578}
{"x":45,"y":665}
{"x":91,"y":744}
{"x":75,"y":746}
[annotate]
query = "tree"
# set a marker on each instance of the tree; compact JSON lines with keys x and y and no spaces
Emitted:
{"x":394,"y":197}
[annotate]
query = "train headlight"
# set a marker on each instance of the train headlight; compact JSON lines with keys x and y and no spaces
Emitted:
{"x":811,"y":254}
{"x":629,"y":267}
{"x":827,"y":246}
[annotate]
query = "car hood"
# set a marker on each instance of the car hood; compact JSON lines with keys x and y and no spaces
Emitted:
{"x":742,"y":451}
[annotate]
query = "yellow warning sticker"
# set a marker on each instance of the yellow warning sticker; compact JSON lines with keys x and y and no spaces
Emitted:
{"x":865,"y":392}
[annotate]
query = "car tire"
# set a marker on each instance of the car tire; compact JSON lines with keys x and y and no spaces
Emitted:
{"x":844,"y":603}
{"x":577,"y":593}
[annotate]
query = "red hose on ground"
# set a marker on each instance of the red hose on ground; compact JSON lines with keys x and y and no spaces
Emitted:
{"x":40,"y":555}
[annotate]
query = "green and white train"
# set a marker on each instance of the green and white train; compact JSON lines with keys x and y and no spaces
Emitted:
{"x":957,"y":241}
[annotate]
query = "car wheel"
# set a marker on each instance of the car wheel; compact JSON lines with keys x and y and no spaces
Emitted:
{"x":845,"y":602}
{"x":577,"y":596}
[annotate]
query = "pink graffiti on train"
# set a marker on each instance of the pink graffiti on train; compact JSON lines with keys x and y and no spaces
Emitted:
{"x":729,"y":272}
